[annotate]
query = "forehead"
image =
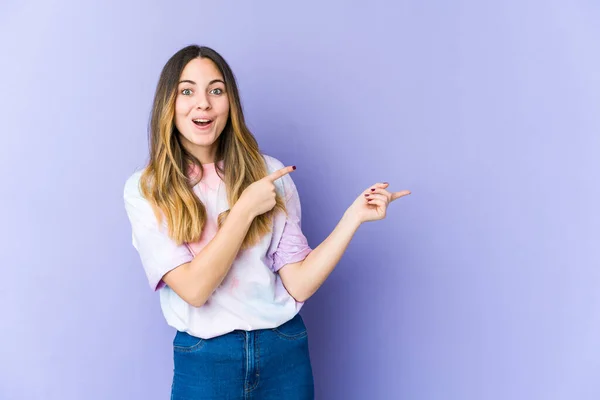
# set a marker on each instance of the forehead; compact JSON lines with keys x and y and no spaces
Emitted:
{"x":201,"y":71}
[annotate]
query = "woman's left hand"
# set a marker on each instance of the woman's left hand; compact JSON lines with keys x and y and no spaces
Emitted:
{"x":372,"y":204}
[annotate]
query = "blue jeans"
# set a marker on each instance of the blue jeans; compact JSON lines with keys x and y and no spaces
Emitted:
{"x":261,"y":364}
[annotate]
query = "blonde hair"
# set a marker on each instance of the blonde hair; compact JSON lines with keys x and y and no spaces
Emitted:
{"x":166,"y":182}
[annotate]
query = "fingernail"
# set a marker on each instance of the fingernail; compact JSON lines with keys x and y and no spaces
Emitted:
{"x":293,"y":167}
{"x":372,"y":190}
{"x":367,"y":195}
{"x":385,"y":183}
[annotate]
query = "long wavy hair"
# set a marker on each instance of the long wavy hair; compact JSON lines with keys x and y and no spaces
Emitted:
{"x":166,"y":181}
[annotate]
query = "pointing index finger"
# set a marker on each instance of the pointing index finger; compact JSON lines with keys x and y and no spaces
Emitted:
{"x":397,"y":195}
{"x":280,"y":173}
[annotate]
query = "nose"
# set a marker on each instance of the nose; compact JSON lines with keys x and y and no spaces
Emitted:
{"x":202,"y":103}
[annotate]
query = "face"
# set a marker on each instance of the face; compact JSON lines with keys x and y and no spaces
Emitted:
{"x":201,"y":108}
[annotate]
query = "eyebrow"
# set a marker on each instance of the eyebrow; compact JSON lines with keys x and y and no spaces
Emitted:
{"x":209,"y":83}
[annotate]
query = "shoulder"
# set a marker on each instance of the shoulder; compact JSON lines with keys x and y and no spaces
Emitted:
{"x":286,"y":183}
{"x":131,"y":189}
{"x":138,"y":208}
{"x":273,"y":164}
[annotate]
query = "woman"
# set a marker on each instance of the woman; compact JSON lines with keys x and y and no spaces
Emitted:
{"x":217,"y":227}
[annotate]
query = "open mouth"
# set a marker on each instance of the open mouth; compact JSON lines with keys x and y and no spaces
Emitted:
{"x":202,"y":122}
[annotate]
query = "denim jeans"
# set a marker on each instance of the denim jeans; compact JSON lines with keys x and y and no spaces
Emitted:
{"x":261,"y":364}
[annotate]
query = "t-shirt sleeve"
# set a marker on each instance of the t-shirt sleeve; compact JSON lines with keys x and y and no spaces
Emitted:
{"x":293,"y":246}
{"x":159,"y":253}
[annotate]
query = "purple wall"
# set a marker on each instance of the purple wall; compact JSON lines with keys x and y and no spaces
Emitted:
{"x":483,"y":284}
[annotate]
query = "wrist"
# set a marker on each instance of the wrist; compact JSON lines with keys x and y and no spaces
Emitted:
{"x":242,"y":213}
{"x":351,"y":220}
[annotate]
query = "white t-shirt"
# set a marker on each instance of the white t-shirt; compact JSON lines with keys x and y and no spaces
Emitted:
{"x":252,"y":295}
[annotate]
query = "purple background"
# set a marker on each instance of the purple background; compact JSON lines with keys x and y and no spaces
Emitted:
{"x":483,"y":284}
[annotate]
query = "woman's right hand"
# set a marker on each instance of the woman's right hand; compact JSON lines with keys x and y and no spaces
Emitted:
{"x":259,"y":197}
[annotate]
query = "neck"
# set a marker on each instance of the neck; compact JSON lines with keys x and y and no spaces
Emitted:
{"x":206,"y":155}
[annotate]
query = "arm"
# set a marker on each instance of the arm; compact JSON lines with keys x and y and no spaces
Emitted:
{"x":195,"y":281}
{"x":302,"y":279}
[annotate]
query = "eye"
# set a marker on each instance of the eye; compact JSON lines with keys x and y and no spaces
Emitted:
{"x":216,"y":91}
{"x":186,"y":92}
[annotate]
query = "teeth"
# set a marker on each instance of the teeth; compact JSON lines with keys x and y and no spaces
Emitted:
{"x":202,"y":120}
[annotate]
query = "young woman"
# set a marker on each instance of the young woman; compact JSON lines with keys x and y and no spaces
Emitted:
{"x":217,"y":226}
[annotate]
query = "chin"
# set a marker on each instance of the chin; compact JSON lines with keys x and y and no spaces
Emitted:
{"x":204,"y":142}
{"x":207,"y":139}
